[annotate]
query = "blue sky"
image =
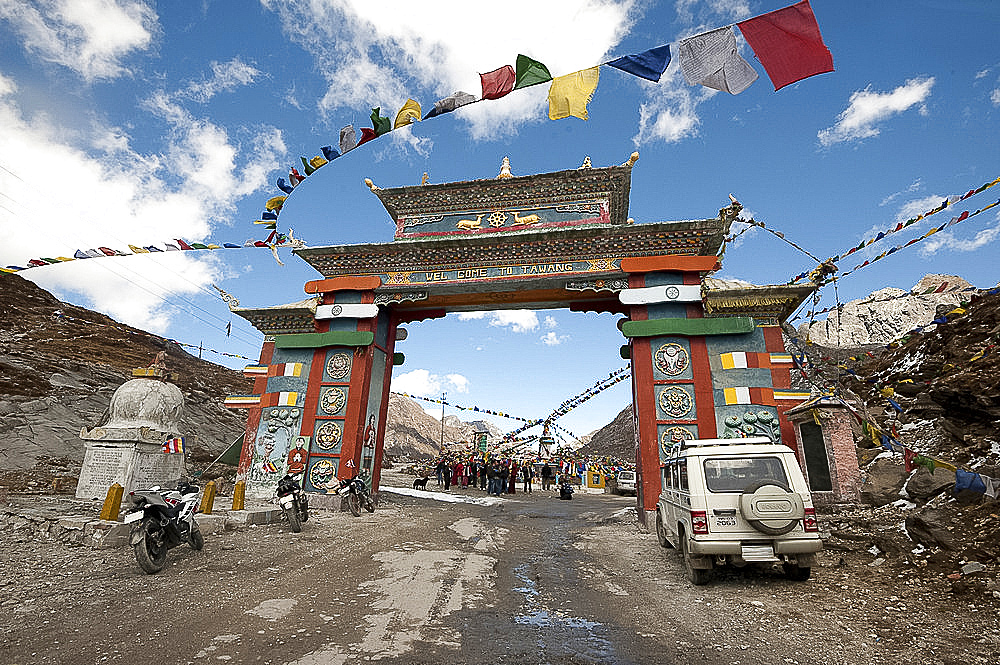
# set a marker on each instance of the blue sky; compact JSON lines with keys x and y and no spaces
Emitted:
{"x":136,"y":123}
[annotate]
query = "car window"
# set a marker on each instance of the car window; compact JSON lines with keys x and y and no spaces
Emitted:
{"x":734,"y":474}
{"x":684,"y":476}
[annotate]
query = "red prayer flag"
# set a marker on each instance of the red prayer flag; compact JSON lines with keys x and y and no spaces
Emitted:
{"x":367,"y":134}
{"x":788,"y":44}
{"x":498,"y":83}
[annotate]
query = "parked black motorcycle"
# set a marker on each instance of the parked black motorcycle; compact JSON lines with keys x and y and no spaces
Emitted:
{"x":161,"y":520}
{"x":357,"y":495}
{"x":293,"y":501}
{"x":566,"y":491}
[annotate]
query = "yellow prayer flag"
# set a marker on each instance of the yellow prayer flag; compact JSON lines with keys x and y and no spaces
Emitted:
{"x":138,"y":250}
{"x":570,"y":94}
{"x":407,"y":114}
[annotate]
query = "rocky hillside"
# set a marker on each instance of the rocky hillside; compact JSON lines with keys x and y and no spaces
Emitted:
{"x":60,"y":364}
{"x":615,"y":439}
{"x":886,"y":314}
{"x":413,"y":434}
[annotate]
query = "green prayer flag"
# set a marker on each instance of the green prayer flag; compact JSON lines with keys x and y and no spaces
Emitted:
{"x":530,"y":72}
{"x":380,"y":124}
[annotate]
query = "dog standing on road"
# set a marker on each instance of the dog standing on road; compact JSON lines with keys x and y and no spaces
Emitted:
{"x":420,"y":484}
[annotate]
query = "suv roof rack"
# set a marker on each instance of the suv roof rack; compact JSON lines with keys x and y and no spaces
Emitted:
{"x":692,"y":443}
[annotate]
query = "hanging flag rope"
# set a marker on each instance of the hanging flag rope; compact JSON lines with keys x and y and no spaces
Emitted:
{"x":950,"y":201}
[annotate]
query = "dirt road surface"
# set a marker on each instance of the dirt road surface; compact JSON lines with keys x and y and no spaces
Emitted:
{"x":516,"y":580}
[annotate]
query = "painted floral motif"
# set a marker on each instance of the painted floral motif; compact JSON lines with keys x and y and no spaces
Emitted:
{"x":671,"y":359}
{"x":323,"y":474}
{"x":673,"y":436}
{"x":751,"y":423}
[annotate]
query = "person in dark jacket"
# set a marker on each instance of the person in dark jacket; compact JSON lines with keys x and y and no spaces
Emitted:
{"x":527,"y":473}
{"x":546,"y":476}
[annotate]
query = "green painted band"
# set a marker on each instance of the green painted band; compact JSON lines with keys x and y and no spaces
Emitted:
{"x":732,"y":325}
{"x":318,"y":340}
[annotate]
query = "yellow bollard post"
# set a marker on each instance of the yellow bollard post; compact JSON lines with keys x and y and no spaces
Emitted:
{"x":208,"y":498}
{"x":239,"y":494}
{"x":112,"y":503}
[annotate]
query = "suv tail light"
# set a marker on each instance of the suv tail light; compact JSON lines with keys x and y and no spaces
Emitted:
{"x":809,"y":521}
{"x":699,"y":521}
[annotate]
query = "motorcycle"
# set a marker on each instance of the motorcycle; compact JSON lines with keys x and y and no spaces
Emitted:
{"x":293,"y":501}
{"x":357,"y":495}
{"x":566,"y":491}
{"x":161,"y":520}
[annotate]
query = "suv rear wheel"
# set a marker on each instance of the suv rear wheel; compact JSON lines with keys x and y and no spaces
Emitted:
{"x":795,"y":572}
{"x":697,"y":576}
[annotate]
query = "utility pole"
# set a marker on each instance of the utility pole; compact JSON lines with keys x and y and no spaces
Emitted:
{"x":443,"y":395}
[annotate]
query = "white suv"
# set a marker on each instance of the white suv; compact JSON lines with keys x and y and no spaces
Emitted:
{"x":736,"y":501}
{"x":623,"y":482}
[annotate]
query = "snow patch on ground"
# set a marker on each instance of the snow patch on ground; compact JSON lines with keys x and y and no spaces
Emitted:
{"x":444,"y":496}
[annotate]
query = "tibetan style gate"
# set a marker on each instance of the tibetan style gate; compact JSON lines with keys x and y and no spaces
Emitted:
{"x":706,"y":361}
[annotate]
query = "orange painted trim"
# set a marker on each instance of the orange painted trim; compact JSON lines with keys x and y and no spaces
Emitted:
{"x":254,"y":415}
{"x":704,"y":395}
{"x":670,"y":263}
{"x":358,"y":283}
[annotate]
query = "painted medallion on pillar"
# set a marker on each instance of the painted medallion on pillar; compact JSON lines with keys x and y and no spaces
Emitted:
{"x":671,"y":359}
{"x":672,"y":436}
{"x":328,"y":436}
{"x":322,"y":474}
{"x":675,"y":402}
{"x":333,"y":400}
{"x":338,"y":366}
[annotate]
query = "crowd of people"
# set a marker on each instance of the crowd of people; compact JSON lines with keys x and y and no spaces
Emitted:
{"x":498,"y":475}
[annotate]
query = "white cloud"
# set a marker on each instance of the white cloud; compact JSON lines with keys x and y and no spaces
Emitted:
{"x":518,"y":320}
{"x":867,"y":108}
{"x":550,"y":322}
{"x":7,"y":86}
{"x":946,"y":240}
{"x":373,"y":57}
{"x":96,"y":190}
{"x":226,"y":77}
{"x":90,"y":37}
{"x":552,"y":339}
{"x":995,"y":97}
{"x":423,"y":383}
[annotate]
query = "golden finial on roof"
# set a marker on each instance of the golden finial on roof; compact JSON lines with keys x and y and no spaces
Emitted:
{"x":505,"y":169}
{"x":632,"y":159}
{"x":425,"y":179}
{"x":372,"y":186}
{"x":586,"y":163}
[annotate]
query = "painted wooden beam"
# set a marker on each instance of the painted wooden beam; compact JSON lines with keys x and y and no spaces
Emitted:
{"x":670,"y":263}
{"x":733,"y":325}
{"x":359,"y":283}
{"x":346,"y":311}
{"x":651,"y":295}
{"x":318,"y":340}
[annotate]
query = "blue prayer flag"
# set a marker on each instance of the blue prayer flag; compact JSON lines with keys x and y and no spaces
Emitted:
{"x":648,"y":65}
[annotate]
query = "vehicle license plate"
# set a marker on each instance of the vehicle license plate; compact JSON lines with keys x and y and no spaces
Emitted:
{"x":725,"y":520}
{"x":133,"y":517}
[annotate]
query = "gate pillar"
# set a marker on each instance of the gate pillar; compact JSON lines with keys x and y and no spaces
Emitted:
{"x":671,"y":380}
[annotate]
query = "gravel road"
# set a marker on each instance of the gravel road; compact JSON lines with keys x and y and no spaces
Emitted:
{"x":524,"y":579}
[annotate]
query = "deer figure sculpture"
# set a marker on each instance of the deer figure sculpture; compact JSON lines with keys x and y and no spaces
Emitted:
{"x":470,"y":223}
{"x":527,"y":219}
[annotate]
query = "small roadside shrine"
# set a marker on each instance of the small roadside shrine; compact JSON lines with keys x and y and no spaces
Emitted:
{"x":707,"y":356}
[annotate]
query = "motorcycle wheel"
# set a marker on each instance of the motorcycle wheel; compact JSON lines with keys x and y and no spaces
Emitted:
{"x":369,"y":504}
{"x":150,"y":557}
{"x":293,"y":518}
{"x":304,"y":508}
{"x":354,"y":503}
{"x":196,"y":540}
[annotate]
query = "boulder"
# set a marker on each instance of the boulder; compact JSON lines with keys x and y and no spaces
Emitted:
{"x":930,"y":528}
{"x":883,"y":480}
{"x":924,"y":485}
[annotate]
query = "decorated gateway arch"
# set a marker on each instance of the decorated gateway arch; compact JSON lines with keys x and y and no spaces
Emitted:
{"x":707,"y":358}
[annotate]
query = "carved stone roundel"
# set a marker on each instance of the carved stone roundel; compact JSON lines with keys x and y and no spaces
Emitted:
{"x":328,"y":435}
{"x":338,"y":366}
{"x":671,"y":359}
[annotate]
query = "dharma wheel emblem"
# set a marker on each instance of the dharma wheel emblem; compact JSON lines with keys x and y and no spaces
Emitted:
{"x":671,"y":359}
{"x":333,"y":400}
{"x":675,"y":401}
{"x":337,"y":310}
{"x":328,"y":435}
{"x":338,"y":366}
{"x":673,"y":292}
